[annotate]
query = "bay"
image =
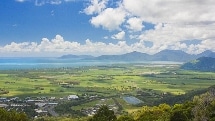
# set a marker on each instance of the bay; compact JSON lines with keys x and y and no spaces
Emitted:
{"x":42,"y":63}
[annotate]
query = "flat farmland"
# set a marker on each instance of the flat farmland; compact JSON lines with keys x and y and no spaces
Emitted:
{"x":104,"y":81}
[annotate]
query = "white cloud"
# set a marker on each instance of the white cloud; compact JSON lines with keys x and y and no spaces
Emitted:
{"x":96,"y":6}
{"x":119,"y":36}
{"x":52,"y":13}
{"x":169,"y":35}
{"x":58,"y":46}
{"x":175,"y":11}
{"x":43,"y":2}
{"x":70,"y":0}
{"x":21,"y":0}
{"x":175,"y":21}
{"x":110,"y":18}
{"x":135,"y":24}
{"x":106,"y":37}
{"x":55,"y":2}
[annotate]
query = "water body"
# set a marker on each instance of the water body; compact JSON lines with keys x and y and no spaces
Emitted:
{"x":42,"y":63}
{"x":132,"y":100}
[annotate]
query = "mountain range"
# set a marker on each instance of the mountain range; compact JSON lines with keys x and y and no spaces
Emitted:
{"x":164,"y":55}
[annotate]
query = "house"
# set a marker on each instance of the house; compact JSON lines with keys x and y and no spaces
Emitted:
{"x":3,"y":105}
{"x":71,"y":97}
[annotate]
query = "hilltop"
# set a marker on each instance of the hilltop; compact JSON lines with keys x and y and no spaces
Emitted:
{"x":200,"y":64}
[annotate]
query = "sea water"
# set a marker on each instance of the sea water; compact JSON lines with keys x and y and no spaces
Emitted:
{"x":42,"y":63}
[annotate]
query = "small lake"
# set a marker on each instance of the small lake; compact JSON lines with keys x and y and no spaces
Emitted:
{"x":132,"y":100}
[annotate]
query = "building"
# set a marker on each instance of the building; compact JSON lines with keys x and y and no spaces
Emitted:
{"x":71,"y":97}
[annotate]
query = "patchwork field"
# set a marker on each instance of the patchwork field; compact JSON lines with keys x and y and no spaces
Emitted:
{"x":113,"y":82}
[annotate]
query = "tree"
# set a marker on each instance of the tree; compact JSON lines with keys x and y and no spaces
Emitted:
{"x":104,"y":114}
{"x":125,"y":118}
{"x":204,"y":106}
{"x":182,"y":112}
{"x":178,"y":115}
{"x":154,"y":113}
{"x":12,"y":116}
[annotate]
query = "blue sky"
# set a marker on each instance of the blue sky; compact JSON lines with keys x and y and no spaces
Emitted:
{"x":97,"y":27}
{"x":26,"y":21}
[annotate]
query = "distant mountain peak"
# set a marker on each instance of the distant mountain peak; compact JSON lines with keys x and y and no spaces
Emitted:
{"x":207,"y":53}
{"x":164,"y":55}
{"x":133,"y":52}
{"x":171,"y":51}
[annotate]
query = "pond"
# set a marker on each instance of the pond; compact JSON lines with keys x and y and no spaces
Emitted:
{"x":132,"y":100}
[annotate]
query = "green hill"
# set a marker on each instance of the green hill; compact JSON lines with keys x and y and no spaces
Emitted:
{"x":200,"y":64}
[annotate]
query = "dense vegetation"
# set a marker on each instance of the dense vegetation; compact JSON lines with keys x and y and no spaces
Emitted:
{"x":201,"y":64}
{"x":12,"y":116}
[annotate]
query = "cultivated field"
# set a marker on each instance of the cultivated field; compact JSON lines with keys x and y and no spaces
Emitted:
{"x":112,"y":82}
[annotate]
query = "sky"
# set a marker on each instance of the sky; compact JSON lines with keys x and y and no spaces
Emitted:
{"x":51,"y":28}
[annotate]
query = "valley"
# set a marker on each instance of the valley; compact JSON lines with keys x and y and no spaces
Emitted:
{"x":123,"y":87}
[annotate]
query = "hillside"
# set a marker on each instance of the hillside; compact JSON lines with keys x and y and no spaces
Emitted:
{"x":137,"y":56}
{"x":200,"y":64}
{"x":172,"y":55}
{"x":164,"y":55}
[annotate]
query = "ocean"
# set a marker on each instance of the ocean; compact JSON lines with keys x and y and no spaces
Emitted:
{"x":9,"y":63}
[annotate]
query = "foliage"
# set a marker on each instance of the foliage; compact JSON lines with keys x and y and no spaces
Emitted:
{"x":125,"y":118}
{"x":154,"y":113}
{"x":104,"y":114}
{"x":173,"y":99}
{"x":182,"y":112}
{"x":12,"y":116}
{"x":60,"y":119}
{"x":204,"y":106}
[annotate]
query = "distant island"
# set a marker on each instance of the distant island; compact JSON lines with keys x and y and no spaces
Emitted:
{"x":200,"y":64}
{"x":164,"y":55}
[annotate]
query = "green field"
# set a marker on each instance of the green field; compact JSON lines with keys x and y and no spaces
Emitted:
{"x":147,"y":82}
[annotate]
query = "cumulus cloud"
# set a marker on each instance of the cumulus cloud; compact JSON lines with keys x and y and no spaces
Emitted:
{"x":172,"y":36}
{"x":96,"y":6}
{"x":175,"y":21}
{"x":119,"y":36}
{"x":58,"y":46}
{"x":110,"y":18}
{"x":105,"y":37}
{"x":135,"y":24}
{"x":175,"y":11}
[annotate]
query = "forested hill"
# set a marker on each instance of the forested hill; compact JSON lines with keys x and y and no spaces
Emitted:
{"x":164,"y":55}
{"x":200,"y":64}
